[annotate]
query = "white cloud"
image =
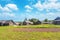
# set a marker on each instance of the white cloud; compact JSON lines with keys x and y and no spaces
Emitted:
{"x":8,"y":7}
{"x":52,"y":4}
{"x":50,"y":16}
{"x":0,"y":7}
{"x":12,"y":6}
{"x":28,"y":7}
{"x":7,"y":11}
{"x":38,"y":5}
{"x":52,"y":8}
{"x":52,"y":0}
{"x":28,"y":10}
{"x":49,"y":6}
{"x":8,"y":15}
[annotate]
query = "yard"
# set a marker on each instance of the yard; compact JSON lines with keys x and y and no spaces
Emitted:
{"x":40,"y":26}
{"x":7,"y":33}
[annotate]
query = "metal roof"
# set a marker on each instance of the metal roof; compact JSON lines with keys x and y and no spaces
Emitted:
{"x":58,"y":18}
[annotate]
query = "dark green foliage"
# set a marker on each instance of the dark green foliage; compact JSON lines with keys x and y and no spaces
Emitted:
{"x":35,"y":21}
{"x":24,"y":23}
{"x":46,"y":20}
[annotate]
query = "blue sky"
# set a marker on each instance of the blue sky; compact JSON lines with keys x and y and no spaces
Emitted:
{"x":18,"y":10}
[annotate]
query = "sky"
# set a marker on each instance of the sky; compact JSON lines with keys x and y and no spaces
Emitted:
{"x":18,"y":10}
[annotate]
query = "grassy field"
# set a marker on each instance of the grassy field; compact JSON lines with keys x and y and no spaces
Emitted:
{"x":36,"y":26}
{"x":6,"y":33}
{"x":41,"y":26}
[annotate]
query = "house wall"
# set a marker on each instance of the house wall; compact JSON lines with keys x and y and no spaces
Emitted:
{"x":56,"y":22}
{"x":11,"y":23}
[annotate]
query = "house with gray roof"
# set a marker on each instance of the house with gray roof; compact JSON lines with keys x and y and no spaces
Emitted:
{"x":7,"y":22}
{"x":57,"y":21}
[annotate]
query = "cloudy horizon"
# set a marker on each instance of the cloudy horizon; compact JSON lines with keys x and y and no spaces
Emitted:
{"x":18,"y":10}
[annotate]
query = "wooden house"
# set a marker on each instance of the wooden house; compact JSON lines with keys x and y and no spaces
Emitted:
{"x":27,"y":23}
{"x":7,"y":22}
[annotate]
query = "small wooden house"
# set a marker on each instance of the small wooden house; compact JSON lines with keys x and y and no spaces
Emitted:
{"x":27,"y":23}
{"x":7,"y":22}
{"x":18,"y":23}
{"x":57,"y":21}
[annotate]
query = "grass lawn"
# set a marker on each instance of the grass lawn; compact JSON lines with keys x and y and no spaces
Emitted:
{"x":6,"y":33}
{"x":36,"y":26}
{"x":40,"y":26}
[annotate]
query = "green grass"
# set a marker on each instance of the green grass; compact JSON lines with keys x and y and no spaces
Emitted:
{"x":6,"y":33}
{"x":35,"y":26}
{"x":30,"y":36}
{"x":40,"y":26}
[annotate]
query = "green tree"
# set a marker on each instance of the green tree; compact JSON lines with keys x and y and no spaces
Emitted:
{"x":35,"y":21}
{"x":46,"y":20}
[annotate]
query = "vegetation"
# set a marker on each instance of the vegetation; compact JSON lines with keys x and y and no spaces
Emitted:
{"x":39,"y":26}
{"x":36,"y":26}
{"x":35,"y":21}
{"x":46,"y":20}
{"x":7,"y":33}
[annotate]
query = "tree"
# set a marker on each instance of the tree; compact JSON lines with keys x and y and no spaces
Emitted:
{"x":46,"y":20}
{"x":24,"y":22}
{"x":25,"y":19}
{"x":35,"y":21}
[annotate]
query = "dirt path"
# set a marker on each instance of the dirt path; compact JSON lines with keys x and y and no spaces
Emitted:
{"x":37,"y":29}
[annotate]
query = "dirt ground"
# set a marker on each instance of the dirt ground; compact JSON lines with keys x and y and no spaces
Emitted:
{"x":37,"y":29}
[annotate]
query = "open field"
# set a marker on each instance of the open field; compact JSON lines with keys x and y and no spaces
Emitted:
{"x":8,"y":33}
{"x":36,"y":26}
{"x":29,"y":35}
{"x":40,"y":26}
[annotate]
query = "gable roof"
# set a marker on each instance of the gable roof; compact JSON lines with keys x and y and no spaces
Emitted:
{"x":57,"y":19}
{"x":7,"y":21}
